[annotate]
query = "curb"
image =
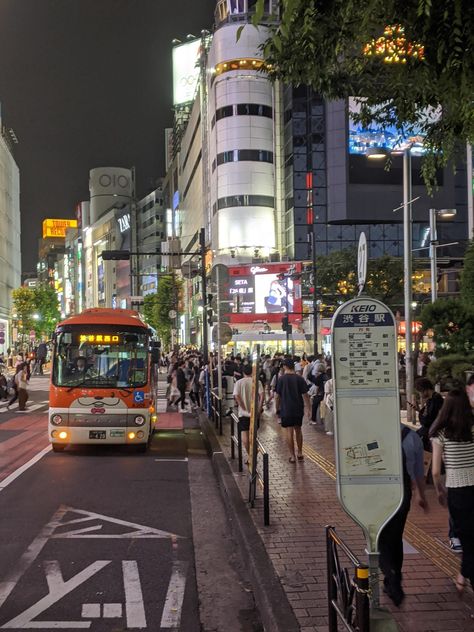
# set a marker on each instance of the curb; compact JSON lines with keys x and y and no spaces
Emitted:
{"x":274,"y":608}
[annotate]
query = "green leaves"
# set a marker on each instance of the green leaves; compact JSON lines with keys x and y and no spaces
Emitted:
{"x":42,"y":302}
{"x":157,"y":306}
{"x":321,"y":44}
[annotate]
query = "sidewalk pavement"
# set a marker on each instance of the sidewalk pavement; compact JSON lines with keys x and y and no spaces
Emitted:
{"x":303,"y":501}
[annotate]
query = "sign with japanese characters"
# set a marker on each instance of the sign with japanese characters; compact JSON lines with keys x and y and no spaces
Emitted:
{"x":367,"y":414}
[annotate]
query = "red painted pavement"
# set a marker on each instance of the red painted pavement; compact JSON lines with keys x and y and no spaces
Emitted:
{"x":169,"y":421}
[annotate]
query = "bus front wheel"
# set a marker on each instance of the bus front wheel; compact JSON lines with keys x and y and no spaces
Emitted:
{"x":58,"y":447}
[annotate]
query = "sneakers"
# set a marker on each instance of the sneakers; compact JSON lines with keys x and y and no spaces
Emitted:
{"x":455,"y":545}
{"x":329,"y":433}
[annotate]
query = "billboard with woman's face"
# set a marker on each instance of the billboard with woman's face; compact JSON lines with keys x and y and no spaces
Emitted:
{"x":264,"y":292}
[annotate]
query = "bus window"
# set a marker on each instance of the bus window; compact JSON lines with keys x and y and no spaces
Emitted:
{"x":101,"y":360}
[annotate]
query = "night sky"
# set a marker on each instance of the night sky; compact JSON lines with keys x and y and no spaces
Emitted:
{"x":87,"y":83}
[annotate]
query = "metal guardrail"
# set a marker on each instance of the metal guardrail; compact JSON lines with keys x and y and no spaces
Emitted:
{"x":216,"y":411}
{"x":263,"y":478}
{"x":348,"y":599}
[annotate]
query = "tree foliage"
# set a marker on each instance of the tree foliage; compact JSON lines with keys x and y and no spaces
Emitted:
{"x":325,"y":45}
{"x":41,"y":301}
{"x":452,"y":324}
{"x":157,"y":306}
{"x":336,"y":277}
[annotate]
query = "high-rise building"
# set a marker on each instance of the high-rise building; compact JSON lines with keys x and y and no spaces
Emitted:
{"x":269,"y":169}
{"x":10,"y":248}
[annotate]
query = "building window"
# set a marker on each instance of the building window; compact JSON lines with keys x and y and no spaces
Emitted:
{"x":246,"y":200}
{"x":254,"y":109}
{"x":224,"y":112}
{"x":239,"y":64}
{"x":240,"y":155}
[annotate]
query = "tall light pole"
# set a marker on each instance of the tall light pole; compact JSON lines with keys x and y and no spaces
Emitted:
{"x":444,"y":213}
{"x":407,"y":277}
{"x":376,"y":153}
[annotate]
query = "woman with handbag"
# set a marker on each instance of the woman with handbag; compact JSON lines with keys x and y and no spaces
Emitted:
{"x":452,"y":437}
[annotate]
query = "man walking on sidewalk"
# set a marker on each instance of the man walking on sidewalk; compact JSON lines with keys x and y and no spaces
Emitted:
{"x":293,"y":401}
{"x":243,"y":397}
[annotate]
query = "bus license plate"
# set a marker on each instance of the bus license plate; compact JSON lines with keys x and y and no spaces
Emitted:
{"x":97,"y":434}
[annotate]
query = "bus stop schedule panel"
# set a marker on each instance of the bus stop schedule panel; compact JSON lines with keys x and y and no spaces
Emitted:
{"x":367,"y":414}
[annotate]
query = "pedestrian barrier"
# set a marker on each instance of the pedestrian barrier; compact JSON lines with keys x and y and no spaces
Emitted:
{"x":235,"y":440}
{"x":348,"y":599}
{"x":216,"y":411}
{"x":263,"y":478}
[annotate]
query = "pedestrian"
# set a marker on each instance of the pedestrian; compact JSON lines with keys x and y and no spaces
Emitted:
{"x":181,"y":384}
{"x":41,"y":355}
{"x":391,"y":537}
{"x":453,"y":443}
{"x":194,"y":389}
{"x":243,"y":397}
{"x":3,"y":386}
{"x":328,"y":404}
{"x":292,"y":400}
{"x":13,"y":384}
{"x":21,"y":379}
{"x":431,"y":403}
{"x":317,"y":391}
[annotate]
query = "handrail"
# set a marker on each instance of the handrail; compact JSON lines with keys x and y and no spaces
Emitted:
{"x":263,"y":479}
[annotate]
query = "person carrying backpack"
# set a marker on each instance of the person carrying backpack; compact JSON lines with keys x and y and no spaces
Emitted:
{"x":391,"y":538}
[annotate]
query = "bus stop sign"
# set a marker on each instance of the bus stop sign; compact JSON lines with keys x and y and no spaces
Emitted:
{"x":367,"y":414}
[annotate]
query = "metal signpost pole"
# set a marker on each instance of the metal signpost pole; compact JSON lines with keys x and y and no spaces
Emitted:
{"x":315,"y":301}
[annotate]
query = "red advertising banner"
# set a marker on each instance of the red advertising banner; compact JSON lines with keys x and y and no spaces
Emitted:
{"x":265,"y":291}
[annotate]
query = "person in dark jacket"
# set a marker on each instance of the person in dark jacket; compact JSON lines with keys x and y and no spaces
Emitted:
{"x":431,"y":403}
{"x":181,"y":384}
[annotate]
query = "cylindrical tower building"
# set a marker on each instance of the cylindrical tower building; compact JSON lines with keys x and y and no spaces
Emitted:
{"x":241,"y":138}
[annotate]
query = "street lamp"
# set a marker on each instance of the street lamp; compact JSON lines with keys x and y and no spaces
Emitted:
{"x":380,"y":153}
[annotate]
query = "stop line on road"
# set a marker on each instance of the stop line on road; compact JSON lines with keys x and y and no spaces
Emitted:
{"x":70,"y":523}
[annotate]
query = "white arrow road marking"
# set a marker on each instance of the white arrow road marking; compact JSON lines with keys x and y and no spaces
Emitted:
{"x":139,"y":530}
{"x":134,"y":606}
{"x":60,"y":589}
{"x":30,"y":555}
{"x":174,"y":597}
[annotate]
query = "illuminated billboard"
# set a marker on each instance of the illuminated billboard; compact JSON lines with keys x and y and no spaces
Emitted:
{"x":57,"y":227}
{"x":361,"y":139}
{"x":263,"y":292}
{"x":185,"y":71}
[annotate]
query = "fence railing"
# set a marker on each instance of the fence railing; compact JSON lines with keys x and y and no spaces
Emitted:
{"x":348,"y":597}
{"x":263,"y":477}
{"x":216,"y":411}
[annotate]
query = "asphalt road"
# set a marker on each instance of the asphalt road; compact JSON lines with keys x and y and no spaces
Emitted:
{"x":101,"y":538}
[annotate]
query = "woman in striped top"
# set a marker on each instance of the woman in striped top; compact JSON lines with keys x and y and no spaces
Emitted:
{"x":453,"y":442}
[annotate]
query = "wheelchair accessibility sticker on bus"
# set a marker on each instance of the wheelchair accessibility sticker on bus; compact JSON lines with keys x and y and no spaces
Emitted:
{"x":138,"y":397}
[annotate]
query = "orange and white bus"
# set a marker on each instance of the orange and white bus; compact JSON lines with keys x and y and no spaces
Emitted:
{"x":103,"y":380}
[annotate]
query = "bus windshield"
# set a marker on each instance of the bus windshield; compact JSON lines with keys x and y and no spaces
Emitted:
{"x":96,"y":359}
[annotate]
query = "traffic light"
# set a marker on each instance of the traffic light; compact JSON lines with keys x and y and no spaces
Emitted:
{"x":210,"y":317}
{"x":285,"y":323}
{"x":115,"y":255}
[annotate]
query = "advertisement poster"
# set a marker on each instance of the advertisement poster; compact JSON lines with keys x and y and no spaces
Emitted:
{"x":264,"y":292}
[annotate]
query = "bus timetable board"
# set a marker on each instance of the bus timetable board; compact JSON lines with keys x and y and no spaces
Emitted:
{"x":367,"y":414}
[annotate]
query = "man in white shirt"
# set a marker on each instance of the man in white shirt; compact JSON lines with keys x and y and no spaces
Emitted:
{"x":243,"y":397}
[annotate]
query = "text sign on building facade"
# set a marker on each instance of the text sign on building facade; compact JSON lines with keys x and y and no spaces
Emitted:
{"x":57,"y":227}
{"x":367,"y":414}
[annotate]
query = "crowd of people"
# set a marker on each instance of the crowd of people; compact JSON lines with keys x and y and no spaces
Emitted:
{"x":297,"y":390}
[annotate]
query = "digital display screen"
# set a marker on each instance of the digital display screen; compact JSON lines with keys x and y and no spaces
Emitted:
{"x":100,"y":338}
{"x":390,"y":138}
{"x":264,"y":292}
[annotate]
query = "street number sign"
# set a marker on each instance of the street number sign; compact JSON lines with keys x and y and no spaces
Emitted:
{"x":367,"y":414}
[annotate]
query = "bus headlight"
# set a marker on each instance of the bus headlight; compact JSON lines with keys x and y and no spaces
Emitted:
{"x":62,"y":435}
{"x":139,"y":420}
{"x":140,"y":434}
{"x":131,"y":435}
{"x":57,"y":420}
